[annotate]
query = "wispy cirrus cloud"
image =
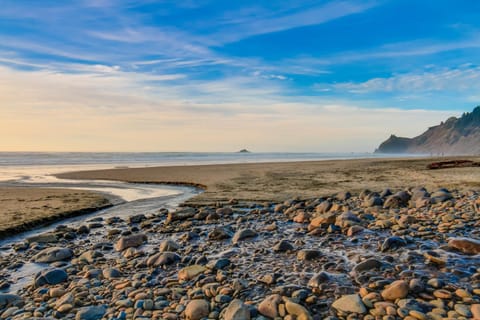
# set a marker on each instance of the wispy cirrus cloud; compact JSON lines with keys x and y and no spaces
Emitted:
{"x":465,"y":78}
{"x":255,"y":21}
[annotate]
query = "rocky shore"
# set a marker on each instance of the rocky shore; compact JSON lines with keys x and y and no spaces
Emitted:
{"x":407,"y":254}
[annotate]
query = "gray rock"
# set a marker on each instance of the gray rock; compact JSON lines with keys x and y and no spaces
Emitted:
{"x":43,"y":238}
{"x":50,"y":276}
{"x":90,"y":256}
{"x":219,"y":234}
{"x":283,"y":246}
{"x":163,"y":259}
{"x":219,"y":264}
{"x":111,"y":273}
{"x":318,"y":279}
{"x":243,"y":234}
{"x":7,"y":300}
{"x":169,"y":245}
{"x":136,"y":218}
{"x":440,"y":196}
{"x":307,"y":255}
{"x":368,"y":264}
{"x":180,"y":215}
{"x":53,"y":254}
{"x":91,"y":313}
{"x":373,"y":201}
{"x":347,"y":219}
{"x":393,"y":243}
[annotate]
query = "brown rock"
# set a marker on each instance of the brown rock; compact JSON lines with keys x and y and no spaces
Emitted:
{"x":269,"y":306}
{"x":465,"y":245}
{"x":191,"y":272}
{"x":133,"y":240}
{"x":396,"y":290}
{"x":350,"y":303}
{"x":297,"y":310}
{"x":323,"y":219}
{"x":301,"y":217}
{"x":475,"y":308}
{"x":237,"y":310}
{"x":197,"y":309}
{"x":353,"y":230}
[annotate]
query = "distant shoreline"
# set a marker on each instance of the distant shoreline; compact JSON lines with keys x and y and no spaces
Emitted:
{"x":278,"y":181}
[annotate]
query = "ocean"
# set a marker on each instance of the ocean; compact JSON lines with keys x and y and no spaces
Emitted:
{"x":139,"y":159}
{"x":37,"y":169}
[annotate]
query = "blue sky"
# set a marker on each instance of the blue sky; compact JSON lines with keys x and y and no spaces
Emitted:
{"x":215,"y":75}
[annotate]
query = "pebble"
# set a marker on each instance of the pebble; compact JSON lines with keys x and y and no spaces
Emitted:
{"x":243,"y":234}
{"x":237,"y":310}
{"x":465,"y":245}
{"x":190,"y":272}
{"x":350,"y":303}
{"x":53,"y":254}
{"x":90,"y":313}
{"x":134,"y":240}
{"x":269,"y":306}
{"x":50,"y":276}
{"x":197,"y":309}
{"x":397,"y":290}
{"x":306,"y":259}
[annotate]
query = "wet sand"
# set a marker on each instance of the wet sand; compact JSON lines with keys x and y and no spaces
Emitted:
{"x":25,"y":208}
{"x":282,"y":181}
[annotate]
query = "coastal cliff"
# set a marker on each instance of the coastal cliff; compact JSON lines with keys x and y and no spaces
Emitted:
{"x":454,"y":136}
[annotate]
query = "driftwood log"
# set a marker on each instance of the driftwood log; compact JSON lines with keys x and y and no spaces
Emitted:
{"x":453,"y":164}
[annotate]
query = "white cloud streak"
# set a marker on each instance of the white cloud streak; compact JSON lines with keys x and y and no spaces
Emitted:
{"x":462,"y":79}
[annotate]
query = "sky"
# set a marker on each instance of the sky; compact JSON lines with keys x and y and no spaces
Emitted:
{"x":208,"y":75}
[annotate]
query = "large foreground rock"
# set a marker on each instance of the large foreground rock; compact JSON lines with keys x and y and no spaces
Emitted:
{"x":237,"y":310}
{"x":465,"y":245}
{"x":51,"y":276}
{"x":350,"y":303}
{"x":91,"y":313}
{"x":197,"y":309}
{"x":7,"y":299}
{"x":269,"y":306}
{"x":396,"y":290}
{"x":52,"y":254}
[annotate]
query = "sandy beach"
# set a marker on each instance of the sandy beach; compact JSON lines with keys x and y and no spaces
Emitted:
{"x":24,"y":208}
{"x":357,"y":239}
{"x":282,"y":181}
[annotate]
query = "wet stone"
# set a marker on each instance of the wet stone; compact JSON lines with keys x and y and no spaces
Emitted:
{"x":53,"y":254}
{"x":283,"y":246}
{"x":90,"y":313}
{"x":50,"y":276}
{"x":350,"y":303}
{"x":243,"y":234}
{"x":307,"y":255}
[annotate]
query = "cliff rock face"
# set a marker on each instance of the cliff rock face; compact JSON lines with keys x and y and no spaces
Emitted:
{"x":454,"y":136}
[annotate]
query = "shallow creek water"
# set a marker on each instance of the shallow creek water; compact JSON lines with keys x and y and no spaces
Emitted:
{"x":128,"y":198}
